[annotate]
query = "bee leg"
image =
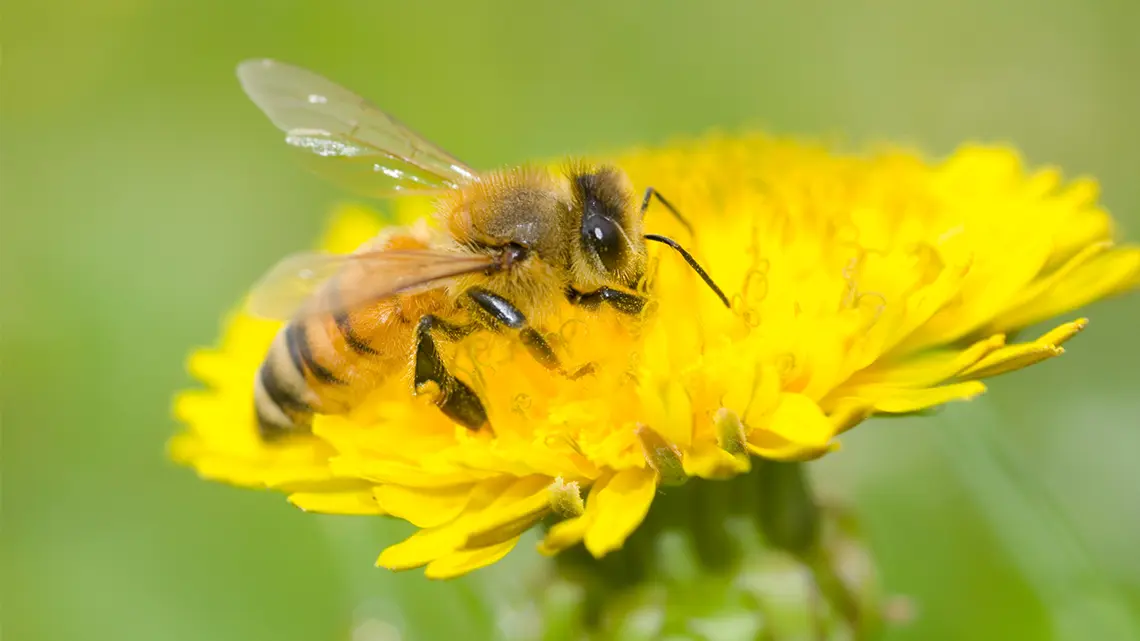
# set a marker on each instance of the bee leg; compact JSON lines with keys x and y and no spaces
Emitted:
{"x":650,"y":193}
{"x":454,"y":398}
{"x":498,"y":313}
{"x":624,"y":302}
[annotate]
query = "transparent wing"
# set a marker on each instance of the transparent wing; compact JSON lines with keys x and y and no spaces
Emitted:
{"x":293,"y":286}
{"x":346,"y":138}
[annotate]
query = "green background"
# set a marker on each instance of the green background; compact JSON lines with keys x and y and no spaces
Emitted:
{"x":142,"y":193}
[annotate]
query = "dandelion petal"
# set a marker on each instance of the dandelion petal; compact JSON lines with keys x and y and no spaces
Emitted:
{"x":622,"y":504}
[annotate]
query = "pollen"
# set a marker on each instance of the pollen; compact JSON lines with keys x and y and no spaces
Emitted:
{"x":860,"y":285}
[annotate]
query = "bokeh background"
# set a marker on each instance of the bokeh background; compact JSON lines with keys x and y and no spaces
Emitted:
{"x":142,"y":193}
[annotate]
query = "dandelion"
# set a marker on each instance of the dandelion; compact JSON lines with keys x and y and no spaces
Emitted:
{"x":860,"y":286}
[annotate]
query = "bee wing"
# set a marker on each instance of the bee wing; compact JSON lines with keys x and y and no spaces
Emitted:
{"x":292,"y":286}
{"x":347,"y":139}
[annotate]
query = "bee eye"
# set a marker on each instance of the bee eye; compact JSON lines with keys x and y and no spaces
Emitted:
{"x":602,"y":236}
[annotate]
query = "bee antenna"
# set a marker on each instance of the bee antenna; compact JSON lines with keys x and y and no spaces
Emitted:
{"x":665,"y":240}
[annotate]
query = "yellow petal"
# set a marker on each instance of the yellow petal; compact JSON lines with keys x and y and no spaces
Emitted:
{"x":385,"y":472}
{"x":209,"y":366}
{"x":305,"y":477}
{"x":460,"y":563}
{"x":184,"y":448}
{"x":765,"y":395}
{"x":1062,"y":333}
{"x":622,"y":504}
{"x":1015,"y":310}
{"x":526,"y":498}
{"x":800,"y":420}
{"x":422,"y":547}
{"x":427,"y":545}
{"x":348,"y":226}
{"x":495,"y":510}
{"x":773,"y":446}
{"x":1022,"y":355}
{"x":926,"y":369}
{"x":903,"y":401}
{"x":565,"y":534}
{"x":847,"y":412}
{"x":669,"y":411}
{"x":504,"y":530}
{"x":797,"y":430}
{"x":708,"y":460}
{"x":423,"y":507}
{"x":1107,"y":274}
{"x":360,"y":502}
{"x":1010,"y":358}
{"x":1091,"y":226}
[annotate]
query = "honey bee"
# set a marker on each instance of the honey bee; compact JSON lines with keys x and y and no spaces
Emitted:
{"x":508,"y":244}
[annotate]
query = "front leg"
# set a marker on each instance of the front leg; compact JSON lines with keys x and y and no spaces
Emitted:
{"x":624,"y":302}
{"x":500,"y":314}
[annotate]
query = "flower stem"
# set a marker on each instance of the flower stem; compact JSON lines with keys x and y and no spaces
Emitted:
{"x":834,"y":589}
{"x":729,"y":553}
{"x":789,"y":516}
{"x":791,"y":520}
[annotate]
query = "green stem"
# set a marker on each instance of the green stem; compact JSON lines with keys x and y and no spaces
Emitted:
{"x":791,"y":520}
{"x":789,"y":516}
{"x":706,"y":546}
{"x":834,"y":589}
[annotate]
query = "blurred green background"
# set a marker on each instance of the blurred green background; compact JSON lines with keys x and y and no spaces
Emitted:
{"x":142,"y":193}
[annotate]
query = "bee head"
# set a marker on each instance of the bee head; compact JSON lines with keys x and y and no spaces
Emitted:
{"x":610,"y":231}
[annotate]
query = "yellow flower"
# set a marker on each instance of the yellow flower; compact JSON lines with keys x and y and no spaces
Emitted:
{"x":860,"y":285}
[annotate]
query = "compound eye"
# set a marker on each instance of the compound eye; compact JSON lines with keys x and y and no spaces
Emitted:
{"x":602,"y":236}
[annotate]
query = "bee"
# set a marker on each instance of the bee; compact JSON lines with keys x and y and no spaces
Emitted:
{"x":508,"y":244}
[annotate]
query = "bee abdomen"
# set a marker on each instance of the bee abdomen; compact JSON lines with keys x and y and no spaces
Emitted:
{"x":280,"y":390}
{"x":351,"y":338}
{"x":301,"y":354}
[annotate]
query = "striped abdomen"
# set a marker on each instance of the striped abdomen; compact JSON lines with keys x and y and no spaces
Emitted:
{"x":326,"y":364}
